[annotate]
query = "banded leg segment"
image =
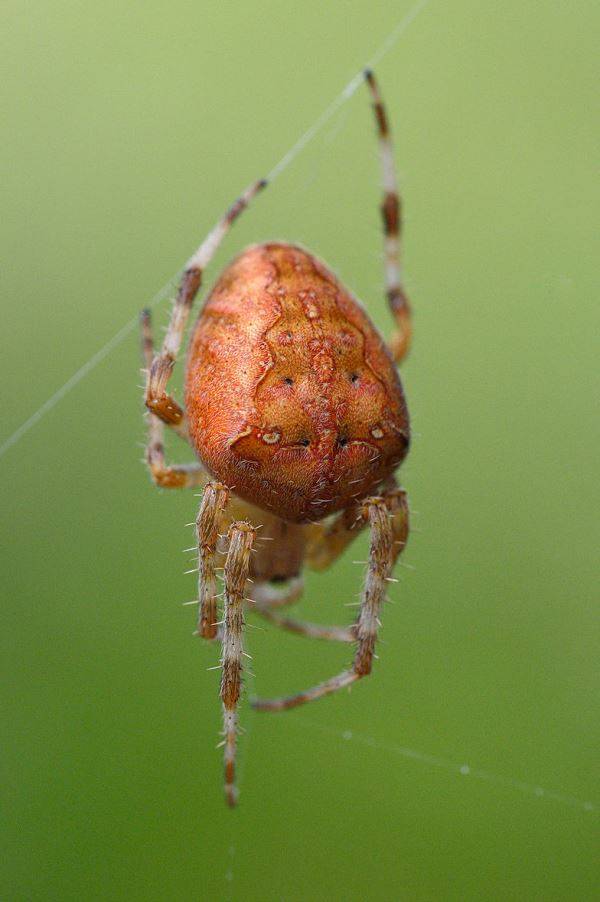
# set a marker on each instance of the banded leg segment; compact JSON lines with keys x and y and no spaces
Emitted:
{"x":241,"y":538}
{"x":326,"y":542}
{"x":209,"y":522}
{"x":158,"y":400}
{"x":392,"y":225}
{"x":176,"y":476}
{"x":389,"y":531}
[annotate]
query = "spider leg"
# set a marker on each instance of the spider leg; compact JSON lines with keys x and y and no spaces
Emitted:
{"x":268,"y":596}
{"x":392,"y":224}
{"x":325,"y":544}
{"x":311,"y":630}
{"x":389,"y":531}
{"x":237,"y":564}
{"x":327,"y":541}
{"x":178,"y":475}
{"x":208,"y":525}
{"x":157,"y":399}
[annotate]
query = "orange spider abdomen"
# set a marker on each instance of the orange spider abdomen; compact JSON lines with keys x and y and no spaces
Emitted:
{"x":292,"y":397}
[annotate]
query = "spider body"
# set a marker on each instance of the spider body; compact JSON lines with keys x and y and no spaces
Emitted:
{"x":296,"y":413}
{"x":292,"y":395}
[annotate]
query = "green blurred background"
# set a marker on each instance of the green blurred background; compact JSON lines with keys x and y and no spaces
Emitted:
{"x":129,"y":128}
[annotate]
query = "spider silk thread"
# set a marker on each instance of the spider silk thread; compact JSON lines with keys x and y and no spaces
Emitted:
{"x":296,"y":149}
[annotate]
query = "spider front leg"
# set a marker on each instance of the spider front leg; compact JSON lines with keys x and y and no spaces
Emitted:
{"x":158,"y":400}
{"x":168,"y":477}
{"x":389,"y":532}
{"x":241,"y":538}
{"x":392,"y":226}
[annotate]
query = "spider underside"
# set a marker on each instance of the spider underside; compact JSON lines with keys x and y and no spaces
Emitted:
{"x":268,"y":535}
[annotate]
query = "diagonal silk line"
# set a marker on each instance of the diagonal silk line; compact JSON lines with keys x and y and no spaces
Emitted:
{"x":454,"y":767}
{"x":83,"y":371}
{"x":296,"y":149}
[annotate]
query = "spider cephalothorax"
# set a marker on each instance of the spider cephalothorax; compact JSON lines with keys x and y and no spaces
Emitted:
{"x":296,"y":413}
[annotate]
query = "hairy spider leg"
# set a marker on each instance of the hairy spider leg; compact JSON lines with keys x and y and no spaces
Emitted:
{"x":169,"y":477}
{"x":387,"y":540}
{"x":157,"y":399}
{"x":392,"y":226}
{"x":241,"y":538}
{"x":325,"y":545}
{"x":310,"y":630}
{"x":209,"y":524}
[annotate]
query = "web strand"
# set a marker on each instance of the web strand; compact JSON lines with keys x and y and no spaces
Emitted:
{"x":83,"y":371}
{"x":463,"y":770}
{"x":296,"y":149}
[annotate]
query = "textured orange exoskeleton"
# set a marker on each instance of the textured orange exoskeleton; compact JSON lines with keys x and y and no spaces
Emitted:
{"x":296,"y":414}
{"x":291,"y":394}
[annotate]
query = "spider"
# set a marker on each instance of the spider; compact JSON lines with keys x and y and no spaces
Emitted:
{"x":295,"y":411}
